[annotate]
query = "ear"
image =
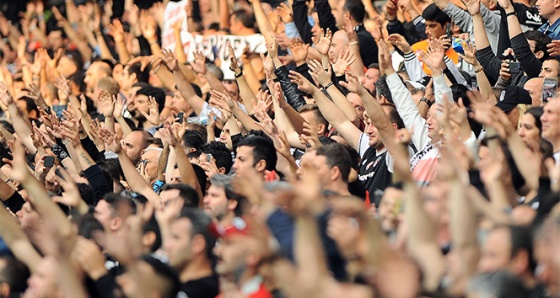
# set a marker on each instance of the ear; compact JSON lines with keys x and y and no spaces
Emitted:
{"x":232,"y":204}
{"x":4,"y":290}
{"x":198,"y":244}
{"x":148,"y":239}
{"x":347,"y":15}
{"x":539,"y":54}
{"x":335,"y":173}
{"x":395,"y":126}
{"x":520,"y":262}
{"x":260,"y":166}
{"x":321,"y":129}
{"x":222,"y":170}
{"x":116,"y":223}
{"x":33,"y":114}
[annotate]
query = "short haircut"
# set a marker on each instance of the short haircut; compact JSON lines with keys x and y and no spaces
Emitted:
{"x":337,"y":156}
{"x":105,"y":67}
{"x":220,"y":153}
{"x":521,"y":239}
{"x":78,"y":79}
{"x":316,"y":112}
{"x":245,"y":18}
{"x":382,"y":88}
{"x":193,"y":139}
{"x":30,"y":104}
{"x":499,"y":284}
{"x":225,"y":182}
{"x":434,"y":14}
{"x":394,"y":116}
{"x":263,"y":149}
{"x":186,"y":192}
{"x":168,"y":279}
{"x":201,"y":129}
{"x":109,"y":84}
{"x":87,"y":193}
{"x":374,"y":66}
{"x":152,"y":226}
{"x":215,"y":70}
{"x":356,"y":9}
{"x":120,"y":202}
{"x":541,"y":41}
{"x":200,"y":223}
{"x":156,"y":93}
{"x":141,"y":75}
{"x":15,"y":274}
{"x":87,"y":225}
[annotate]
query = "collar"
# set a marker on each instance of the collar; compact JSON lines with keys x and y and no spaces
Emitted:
{"x":358,"y":27}
{"x":551,"y":27}
{"x":252,"y":285}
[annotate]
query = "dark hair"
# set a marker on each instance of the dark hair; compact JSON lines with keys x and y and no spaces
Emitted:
{"x":78,"y":79}
{"x":117,"y":201}
{"x":541,"y":41}
{"x":200,"y":129}
{"x":15,"y":274}
{"x":263,"y":149}
{"x":30,"y":105}
{"x":394,"y":115}
{"x":202,"y":178}
{"x":521,"y":239}
{"x":221,"y":154}
{"x":186,"y":192}
{"x":141,"y":75}
{"x":156,"y":93}
{"x":374,"y":66}
{"x":166,"y":273}
{"x":113,"y":167}
{"x":499,"y":284}
{"x":245,"y":18}
{"x":356,"y":9}
{"x":316,"y":112}
{"x":536,"y":112}
{"x":383,"y":88}
{"x":87,"y":193}
{"x":152,"y":226}
{"x":193,"y":139}
{"x":87,"y":224}
{"x":200,"y":225}
{"x":225,"y":182}
{"x":434,"y":14}
{"x":337,"y":156}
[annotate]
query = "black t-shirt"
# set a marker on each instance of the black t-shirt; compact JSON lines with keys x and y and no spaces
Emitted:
{"x":374,"y":173}
{"x":206,"y":287}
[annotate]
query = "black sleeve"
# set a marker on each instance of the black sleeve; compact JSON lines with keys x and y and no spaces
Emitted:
{"x":474,"y":177}
{"x":105,"y":286}
{"x":326,"y":18}
{"x":368,"y":46}
{"x":97,"y":180}
{"x":14,"y":202}
{"x":145,"y":49}
{"x":530,"y":64}
{"x":91,"y":149}
{"x":300,"y":20}
{"x":292,"y":93}
{"x":528,"y":16}
{"x":490,"y":63}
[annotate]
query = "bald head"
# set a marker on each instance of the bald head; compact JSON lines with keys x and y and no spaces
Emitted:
{"x":534,"y":87}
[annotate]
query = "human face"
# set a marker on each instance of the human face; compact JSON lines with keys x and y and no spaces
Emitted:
{"x":150,"y":158}
{"x":310,"y":117}
{"x":534,"y":87}
{"x":340,"y":14}
{"x":216,"y":203}
{"x":316,"y":29}
{"x":176,"y":177}
{"x":133,"y":146}
{"x":178,"y":246}
{"x":66,"y":67}
{"x":232,"y":89}
{"x":43,"y":282}
{"x":178,"y":104}
{"x":356,"y":101}
{"x":528,"y":130}
{"x":55,"y":40}
{"x":434,"y":29}
{"x":105,"y":214}
{"x":338,"y":44}
{"x":496,"y":251}
{"x":387,"y":213}
{"x":145,"y":283}
{"x":433,"y":125}
{"x":551,"y":122}
{"x":28,"y":218}
{"x":370,"y":78}
{"x":92,"y":76}
{"x":318,"y":163}
{"x":371,"y":131}
{"x":231,"y":252}
{"x":141,"y":104}
{"x":547,"y":7}
{"x":549,"y":69}
{"x":243,"y":160}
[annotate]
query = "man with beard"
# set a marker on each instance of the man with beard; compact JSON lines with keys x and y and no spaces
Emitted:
{"x":145,"y":107}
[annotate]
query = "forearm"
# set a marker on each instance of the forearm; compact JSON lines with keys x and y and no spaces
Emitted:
{"x":187,"y":91}
{"x":343,"y":104}
{"x":179,"y":51}
{"x":247,"y":122}
{"x":246,"y":94}
{"x":294,"y":118}
{"x":250,"y":76}
{"x":262,"y":21}
{"x":103,"y":48}
{"x":136,"y":181}
{"x":22,"y":127}
{"x":186,"y":169}
{"x":357,"y":66}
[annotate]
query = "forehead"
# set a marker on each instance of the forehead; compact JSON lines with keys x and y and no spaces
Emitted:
{"x":432,"y":24}
{"x":372,"y":72}
{"x":151,"y":154}
{"x":134,"y":137}
{"x":182,"y":224}
{"x":245,"y":151}
{"x":550,"y":63}
{"x":339,"y":36}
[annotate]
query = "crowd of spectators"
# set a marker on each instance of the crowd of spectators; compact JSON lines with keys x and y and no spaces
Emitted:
{"x":406,"y":148}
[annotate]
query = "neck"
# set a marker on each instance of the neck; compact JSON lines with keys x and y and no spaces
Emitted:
{"x":554,"y":17}
{"x":339,"y":187}
{"x":227,"y":220}
{"x":198,"y":268}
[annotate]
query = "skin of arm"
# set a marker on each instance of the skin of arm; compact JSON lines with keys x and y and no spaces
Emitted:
{"x":262,"y":21}
{"x":187,"y":91}
{"x":249,"y":75}
{"x":181,"y":57}
{"x":162,"y":164}
{"x":21,"y":127}
{"x":186,"y":169}
{"x":136,"y":181}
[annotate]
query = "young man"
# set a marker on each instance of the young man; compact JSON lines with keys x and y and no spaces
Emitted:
{"x":256,"y":152}
{"x":221,"y":202}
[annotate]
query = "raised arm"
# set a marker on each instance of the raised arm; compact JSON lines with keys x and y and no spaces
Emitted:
{"x":17,"y":241}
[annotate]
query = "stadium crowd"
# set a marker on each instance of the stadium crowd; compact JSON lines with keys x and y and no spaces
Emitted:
{"x":321,"y":148}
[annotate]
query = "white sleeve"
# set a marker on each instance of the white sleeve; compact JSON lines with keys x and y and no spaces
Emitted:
{"x":455,"y":71}
{"x":441,"y":89}
{"x":363,"y":144}
{"x":408,"y":110}
{"x":413,"y":67}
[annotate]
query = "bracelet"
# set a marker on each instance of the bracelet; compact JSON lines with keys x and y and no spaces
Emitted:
{"x":510,"y":14}
{"x":489,"y":138}
{"x":65,"y":142}
{"x":151,"y":43}
{"x":478,"y":70}
{"x":353,"y":43}
{"x":240,"y":74}
{"x":328,"y":85}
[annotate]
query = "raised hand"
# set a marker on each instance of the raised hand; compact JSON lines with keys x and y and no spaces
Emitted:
{"x":5,"y":95}
{"x":505,"y":74}
{"x":107,"y":103}
{"x":170,"y":60}
{"x":299,"y":50}
{"x":34,"y":92}
{"x":116,"y":30}
{"x":112,"y":140}
{"x":353,"y":83}
{"x":71,"y":196}
{"x":385,"y":59}
{"x":94,"y":128}
{"x":318,"y":73}
{"x":434,"y":58}
{"x":234,"y":65}
{"x":553,"y":48}
{"x":400,"y":42}
{"x":302,"y":83}
{"x":153,"y":113}
{"x":285,"y":13}
{"x":119,"y":106}
{"x":222,"y":100}
{"x":147,"y":26}
{"x":349,"y":29}
{"x":473,"y":6}
{"x":268,"y":65}
{"x":272,"y":48}
{"x":64,"y":90}
{"x":470,"y":54}
{"x":199,"y":62}
{"x":323,"y":42}
{"x":310,"y":138}
{"x":345,"y":59}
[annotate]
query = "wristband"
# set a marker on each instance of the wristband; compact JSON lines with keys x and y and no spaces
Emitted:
{"x":478,"y":70}
{"x":59,"y":152}
{"x":240,"y":74}
{"x":353,"y":43}
{"x":489,"y":138}
{"x":328,"y":85}
{"x":510,"y":14}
